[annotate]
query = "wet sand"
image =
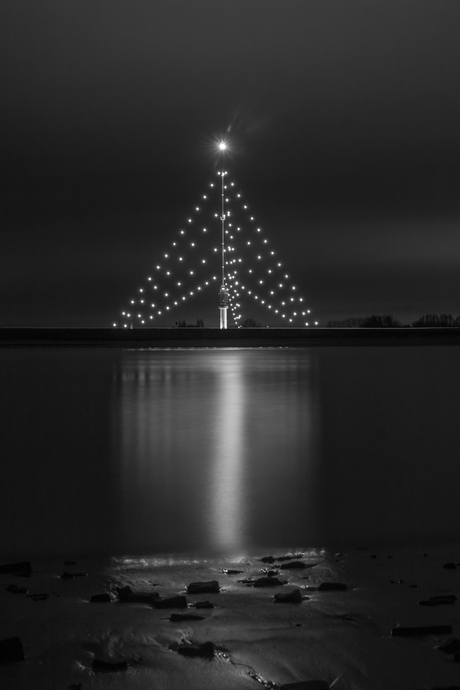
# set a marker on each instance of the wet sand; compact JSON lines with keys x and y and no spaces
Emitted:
{"x":344,"y":636}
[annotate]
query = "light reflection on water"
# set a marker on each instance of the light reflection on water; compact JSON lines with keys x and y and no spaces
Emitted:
{"x":226,"y":450}
{"x":210,"y":442}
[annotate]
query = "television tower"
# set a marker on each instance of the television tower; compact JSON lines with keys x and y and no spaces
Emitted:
{"x":223,"y":292}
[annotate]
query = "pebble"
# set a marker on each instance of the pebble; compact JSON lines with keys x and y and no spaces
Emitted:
{"x":176,"y":602}
{"x":293,"y":597}
{"x":332,"y":587}
{"x":211,"y":587}
{"x":23,"y":568}
{"x":449,"y":646}
{"x":204,"y":605}
{"x":100,"y":598}
{"x":422,"y":630}
{"x":11,"y":650}
{"x":268,"y":582}
{"x":293,"y":565}
{"x":176,"y":617}
{"x":206,"y":649}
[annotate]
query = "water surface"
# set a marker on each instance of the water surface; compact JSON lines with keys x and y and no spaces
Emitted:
{"x":227,"y":450}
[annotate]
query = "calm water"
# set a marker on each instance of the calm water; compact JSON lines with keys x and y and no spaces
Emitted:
{"x":227,"y":450}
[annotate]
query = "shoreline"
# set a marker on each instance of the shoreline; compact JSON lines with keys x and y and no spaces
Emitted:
{"x":215,"y":338}
{"x":342,"y":635}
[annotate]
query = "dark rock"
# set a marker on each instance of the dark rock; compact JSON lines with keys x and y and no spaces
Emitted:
{"x":421,"y":630}
{"x":439,"y":600}
{"x":14,"y":589}
{"x":176,"y":602}
{"x":270,"y":573}
{"x":70,"y":562}
{"x":205,"y":650}
{"x":211,"y":587}
{"x":449,"y":566}
{"x":127,"y":596}
{"x":232,"y":571}
{"x":332,"y":587}
{"x":43,"y":596}
{"x":268,"y":582}
{"x":175,"y":617}
{"x":66,"y":576}
{"x":293,"y":565}
{"x":306,"y":685}
{"x":284,"y":558}
{"x":247,"y":581}
{"x":204,"y":605}
{"x":100,"y":598}
{"x":22,"y":568}
{"x":449,"y":646}
{"x":267,"y":559}
{"x":100,"y":666}
{"x":413,"y":586}
{"x":374,"y":555}
{"x":122,"y":592}
{"x":11,"y":650}
{"x":293,"y":597}
{"x":389,"y":557}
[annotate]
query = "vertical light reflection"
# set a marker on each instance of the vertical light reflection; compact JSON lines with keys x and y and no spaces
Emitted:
{"x":227,"y":516}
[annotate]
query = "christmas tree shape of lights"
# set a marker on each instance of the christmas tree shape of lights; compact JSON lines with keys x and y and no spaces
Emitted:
{"x":249,"y":266}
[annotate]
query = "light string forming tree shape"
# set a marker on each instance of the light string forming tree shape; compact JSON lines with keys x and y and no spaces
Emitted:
{"x":191,"y":264}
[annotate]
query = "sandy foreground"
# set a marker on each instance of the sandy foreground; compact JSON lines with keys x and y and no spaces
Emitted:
{"x":342,"y":637}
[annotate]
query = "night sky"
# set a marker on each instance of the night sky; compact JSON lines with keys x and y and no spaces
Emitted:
{"x":343,"y":120}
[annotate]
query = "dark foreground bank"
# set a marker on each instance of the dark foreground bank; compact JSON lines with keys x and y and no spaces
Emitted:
{"x":215,"y":337}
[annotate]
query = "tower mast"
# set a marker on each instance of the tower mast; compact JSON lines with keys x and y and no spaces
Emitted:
{"x":223,"y":293}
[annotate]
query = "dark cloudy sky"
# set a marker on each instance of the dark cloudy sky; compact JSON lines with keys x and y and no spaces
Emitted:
{"x":344,"y":117}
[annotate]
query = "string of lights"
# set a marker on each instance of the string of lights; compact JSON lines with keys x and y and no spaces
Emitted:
{"x":253,"y":270}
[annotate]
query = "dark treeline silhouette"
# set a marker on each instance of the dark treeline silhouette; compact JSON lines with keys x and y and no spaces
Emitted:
{"x":437,"y":320}
{"x":183,"y":324}
{"x":384,"y":321}
{"x":250,"y":323}
{"x":387,"y":321}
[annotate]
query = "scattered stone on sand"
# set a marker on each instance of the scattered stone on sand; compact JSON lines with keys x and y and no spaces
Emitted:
{"x":204,"y":605}
{"x":14,"y":589}
{"x":293,"y":565}
{"x":21,"y":568}
{"x":306,"y":685}
{"x":100,"y":666}
{"x":177,"y":602}
{"x":101,"y":598}
{"x":439,"y":600}
{"x":177,"y":617}
{"x":42,"y":596}
{"x":417,"y":631}
{"x":294,"y":597}
{"x":449,"y":646}
{"x":68,"y":576}
{"x":206,"y":650}
{"x":11,"y":650}
{"x":210,"y":587}
{"x":127,"y":596}
{"x":268,"y":582}
{"x":449,"y":566}
{"x":332,"y":587}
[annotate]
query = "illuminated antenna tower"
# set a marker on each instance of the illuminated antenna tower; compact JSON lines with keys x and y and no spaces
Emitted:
{"x":223,"y":292}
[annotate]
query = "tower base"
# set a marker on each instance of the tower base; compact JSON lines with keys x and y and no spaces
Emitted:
{"x":223,"y":317}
